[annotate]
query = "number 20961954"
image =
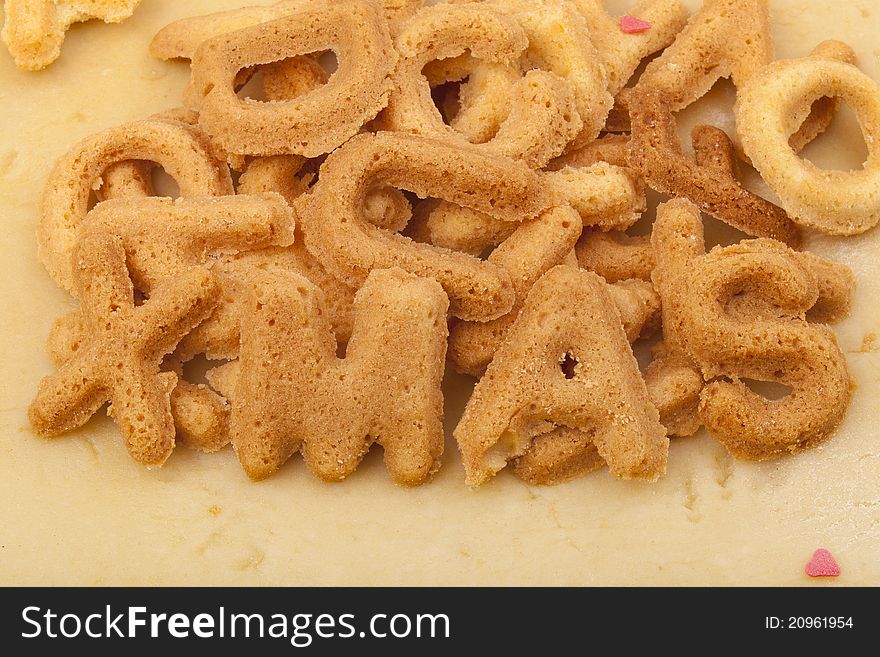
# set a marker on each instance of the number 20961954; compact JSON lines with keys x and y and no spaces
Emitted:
{"x":808,"y":622}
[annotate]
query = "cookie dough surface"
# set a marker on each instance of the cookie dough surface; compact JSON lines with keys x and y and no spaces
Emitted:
{"x":78,"y":510}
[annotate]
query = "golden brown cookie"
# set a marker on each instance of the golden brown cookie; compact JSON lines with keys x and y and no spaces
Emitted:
{"x":457,"y":228}
{"x":563,"y":453}
{"x":565,"y":362}
{"x":709,"y":180}
{"x":119,"y":361}
{"x":163,"y":237}
{"x":201,"y":416}
{"x":312,"y":124}
{"x":286,"y":80}
{"x":603,"y":247}
{"x":606,"y":196}
{"x":293,"y":393}
{"x":285,"y":174}
{"x":181,"y":39}
{"x":739,"y":313}
{"x":559,"y":42}
{"x":126,"y":179}
{"x":770,"y":108}
{"x":34,"y":30}
{"x":339,"y":235}
{"x":239,"y":270}
{"x":64,"y":205}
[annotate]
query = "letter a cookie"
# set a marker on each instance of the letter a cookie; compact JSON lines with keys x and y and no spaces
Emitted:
{"x":566,"y":362}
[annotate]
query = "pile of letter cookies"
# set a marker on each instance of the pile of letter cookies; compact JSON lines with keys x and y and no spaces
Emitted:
{"x":459,"y":189}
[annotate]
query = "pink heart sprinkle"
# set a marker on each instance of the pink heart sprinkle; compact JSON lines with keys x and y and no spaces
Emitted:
{"x":822,"y":565}
{"x":633,"y":25}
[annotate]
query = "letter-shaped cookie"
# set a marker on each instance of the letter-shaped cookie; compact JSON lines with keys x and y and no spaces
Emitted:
{"x":119,"y":360}
{"x":565,"y":362}
{"x":709,"y":180}
{"x":771,"y":107}
{"x":294,"y":393}
{"x":339,"y":235}
{"x":622,"y":53}
{"x":182,"y":38}
{"x":564,"y":453}
{"x":174,"y":146}
{"x":543,"y":116}
{"x":317,"y":122}
{"x":201,"y":416}
{"x":739,"y":312}
{"x":164,"y":237}
{"x":725,"y":38}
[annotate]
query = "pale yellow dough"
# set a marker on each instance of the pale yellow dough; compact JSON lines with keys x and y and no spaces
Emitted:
{"x":78,"y":510}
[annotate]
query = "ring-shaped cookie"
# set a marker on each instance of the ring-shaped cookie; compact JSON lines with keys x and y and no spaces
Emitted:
{"x":770,"y":108}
